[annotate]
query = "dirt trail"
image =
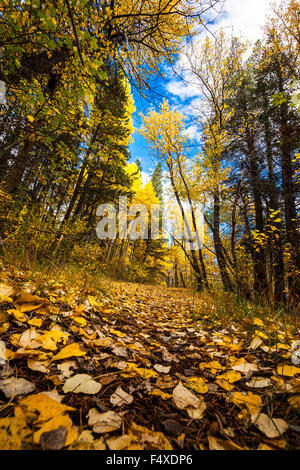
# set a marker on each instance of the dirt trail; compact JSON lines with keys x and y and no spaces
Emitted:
{"x":187,"y":385}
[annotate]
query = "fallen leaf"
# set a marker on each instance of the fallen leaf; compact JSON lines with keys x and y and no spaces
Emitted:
{"x":7,"y":290}
{"x":38,"y":366}
{"x":213,"y":365}
{"x":19,"y":316}
{"x":251,"y":401}
{"x":132,"y":369}
{"x":230,"y":377}
{"x":54,"y":439}
{"x":287,"y":370}
{"x":256,"y":342}
{"x":120,"y":397}
{"x":35,"y":322}
{"x":295,"y":358}
{"x":295,"y":402}
{"x":25,"y":297}
{"x":259,"y":382}
{"x":49,"y":339}
{"x":14,"y":433}
{"x":65,"y":368}
{"x":119,"y":443}
{"x":241,"y":365}
{"x":13,"y":386}
{"x":197,"y":384}
{"x":143,"y":438}
{"x":197,"y":413}
{"x":54,"y":424}
{"x":219,"y":444}
{"x":27,"y":338}
{"x":183,"y":398}
{"x":162,"y":369}
{"x":45,"y":406}
{"x":271,"y":427}
{"x":72,"y":350}
{"x":82,"y":383}
{"x":104,"y":422}
{"x":160,"y":393}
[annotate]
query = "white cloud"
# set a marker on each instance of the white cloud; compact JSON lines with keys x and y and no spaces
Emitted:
{"x":145,"y":177}
{"x":179,"y":88}
{"x":193,"y":132}
{"x":244,"y":18}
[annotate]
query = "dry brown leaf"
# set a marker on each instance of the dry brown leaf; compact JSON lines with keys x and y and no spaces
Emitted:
{"x":184,"y":398}
{"x":162,"y":369}
{"x":219,"y":444}
{"x":120,"y":397}
{"x":13,"y":386}
{"x":271,"y":427}
{"x":119,"y":443}
{"x":104,"y":422}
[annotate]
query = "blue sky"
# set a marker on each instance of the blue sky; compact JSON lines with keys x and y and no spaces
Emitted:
{"x":245,"y":18}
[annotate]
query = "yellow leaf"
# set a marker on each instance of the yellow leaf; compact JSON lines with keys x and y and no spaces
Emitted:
{"x":19,"y":316}
{"x":148,"y":440}
{"x":30,"y":118}
{"x":4,"y":299}
{"x":250,"y":400}
{"x":72,"y":350}
{"x":160,"y":393}
{"x":231,"y":377}
{"x":213,"y":365}
{"x":133,"y":369}
{"x":35,"y":322}
{"x":117,"y":333}
{"x":224,"y":384}
{"x":295,"y":402}
{"x":287,"y":370}
{"x":13,"y":433}
{"x":29,"y":307}
{"x":80,"y":321}
{"x":25,"y":297}
{"x":197,"y":384}
{"x":42,"y":405}
{"x":50,"y":338}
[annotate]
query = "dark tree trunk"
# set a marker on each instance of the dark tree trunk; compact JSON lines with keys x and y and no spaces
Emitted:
{"x":260,"y":269}
{"x":277,"y":253}
{"x":18,"y":168}
{"x":218,"y":245}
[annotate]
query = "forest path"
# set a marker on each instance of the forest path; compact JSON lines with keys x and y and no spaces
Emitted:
{"x":160,"y":378}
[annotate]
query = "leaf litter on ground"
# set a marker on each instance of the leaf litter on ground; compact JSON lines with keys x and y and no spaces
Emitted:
{"x":135,"y":370}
